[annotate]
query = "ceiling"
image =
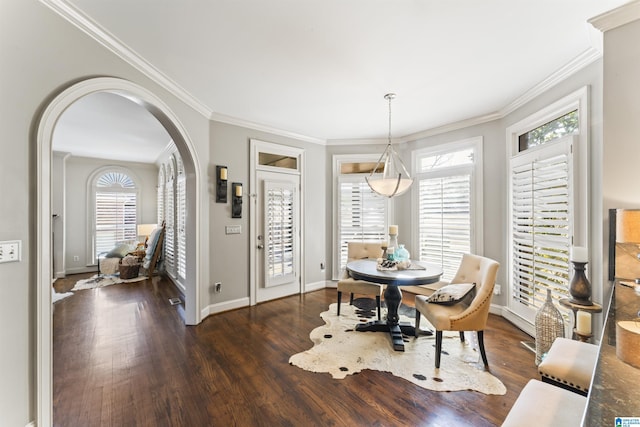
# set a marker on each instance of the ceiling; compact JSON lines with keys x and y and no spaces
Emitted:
{"x":320,"y":68}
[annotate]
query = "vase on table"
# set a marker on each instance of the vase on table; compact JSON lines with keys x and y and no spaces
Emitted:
{"x":402,"y":254}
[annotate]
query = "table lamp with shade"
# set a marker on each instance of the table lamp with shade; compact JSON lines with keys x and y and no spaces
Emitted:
{"x":627,"y":244}
{"x":145,"y":230}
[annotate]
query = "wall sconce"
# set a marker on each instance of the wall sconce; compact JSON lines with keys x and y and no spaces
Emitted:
{"x":236,"y":203}
{"x":221,"y":184}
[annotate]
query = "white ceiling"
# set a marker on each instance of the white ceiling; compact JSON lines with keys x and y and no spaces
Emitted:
{"x":109,"y":126}
{"x":320,"y":68}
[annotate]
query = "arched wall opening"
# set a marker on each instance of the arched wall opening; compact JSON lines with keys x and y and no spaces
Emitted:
{"x":44,"y":142}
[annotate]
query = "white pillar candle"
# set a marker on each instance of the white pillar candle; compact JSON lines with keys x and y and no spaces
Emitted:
{"x":579,"y":254}
{"x":393,"y":229}
{"x":583,"y":322}
{"x":223,"y":174}
{"x":239,"y":191}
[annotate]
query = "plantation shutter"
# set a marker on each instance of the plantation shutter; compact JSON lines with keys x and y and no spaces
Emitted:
{"x":362,"y":215}
{"x":444,"y":218}
{"x":160,"y":198}
{"x":181,"y":218}
{"x":115,"y":211}
{"x":542,"y":211}
{"x":115,"y":219}
{"x":169,"y":237}
{"x":280,"y":232}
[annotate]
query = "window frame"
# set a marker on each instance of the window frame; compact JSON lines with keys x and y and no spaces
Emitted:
{"x":338,"y":160}
{"x":579,"y":169}
{"x":92,"y":188}
{"x":476,"y":183}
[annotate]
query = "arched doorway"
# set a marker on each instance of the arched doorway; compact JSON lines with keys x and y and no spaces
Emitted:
{"x":44,"y":138}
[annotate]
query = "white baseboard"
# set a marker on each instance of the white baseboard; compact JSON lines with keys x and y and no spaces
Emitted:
{"x":60,"y":275}
{"x":79,"y":270}
{"x":224,"y":306}
{"x":518,"y":321}
{"x":31,"y":424}
{"x":310,"y":287}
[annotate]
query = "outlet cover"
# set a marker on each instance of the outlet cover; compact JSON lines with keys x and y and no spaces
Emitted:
{"x":11,"y":251}
{"x":233,"y":229}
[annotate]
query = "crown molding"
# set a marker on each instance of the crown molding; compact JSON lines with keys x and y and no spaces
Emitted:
{"x":360,"y":141}
{"x":578,"y":63}
{"x":617,"y":17}
{"x":587,"y":57}
{"x":608,"y":20}
{"x":450,"y":127}
{"x":222,"y":118}
{"x":166,"y":152}
{"x":85,"y":24}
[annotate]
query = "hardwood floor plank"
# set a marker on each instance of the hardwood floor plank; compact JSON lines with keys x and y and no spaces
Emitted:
{"x":123,"y":357}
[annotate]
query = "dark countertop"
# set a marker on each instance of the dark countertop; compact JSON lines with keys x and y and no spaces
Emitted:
{"x":615,"y":391}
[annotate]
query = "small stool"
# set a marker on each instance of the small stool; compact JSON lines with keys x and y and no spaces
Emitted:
{"x":543,"y":404}
{"x":569,"y":364}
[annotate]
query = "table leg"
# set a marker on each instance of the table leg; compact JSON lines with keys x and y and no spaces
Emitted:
{"x":392,"y":298}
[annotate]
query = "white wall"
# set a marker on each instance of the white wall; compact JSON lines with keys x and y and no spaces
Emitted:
{"x":77,"y":210}
{"x":41,"y":55}
{"x":229,"y":262}
{"x":621,"y":104}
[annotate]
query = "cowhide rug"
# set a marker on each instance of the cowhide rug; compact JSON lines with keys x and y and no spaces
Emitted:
{"x":340,"y":350}
{"x":98,"y":281}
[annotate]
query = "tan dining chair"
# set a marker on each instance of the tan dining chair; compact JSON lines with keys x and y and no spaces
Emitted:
{"x":461,"y":316}
{"x":356,"y":251}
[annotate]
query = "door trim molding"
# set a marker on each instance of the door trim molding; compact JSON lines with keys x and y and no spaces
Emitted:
{"x":256,"y":146}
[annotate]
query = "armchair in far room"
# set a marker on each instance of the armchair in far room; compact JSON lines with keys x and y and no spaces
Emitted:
{"x":108,"y":262}
{"x":464,"y":315}
{"x":355,"y":251}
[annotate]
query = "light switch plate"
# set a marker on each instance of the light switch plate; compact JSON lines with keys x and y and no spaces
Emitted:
{"x":233,"y":229}
{"x":11,"y":251}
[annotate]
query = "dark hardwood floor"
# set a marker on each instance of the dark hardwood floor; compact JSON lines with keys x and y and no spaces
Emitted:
{"x":123,"y":357}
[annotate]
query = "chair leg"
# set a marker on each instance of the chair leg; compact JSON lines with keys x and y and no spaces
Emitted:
{"x":481,"y":346}
{"x":378,"y":304}
{"x":438,"y":348}
{"x":417,"y":323}
{"x":462,"y":336}
{"x":339,"y":301}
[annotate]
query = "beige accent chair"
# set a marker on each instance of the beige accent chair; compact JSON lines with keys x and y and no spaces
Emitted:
{"x":462,"y":317}
{"x":356,"y":251}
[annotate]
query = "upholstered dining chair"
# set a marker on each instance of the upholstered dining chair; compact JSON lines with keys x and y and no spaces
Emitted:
{"x":463,"y":316}
{"x":355,"y":251}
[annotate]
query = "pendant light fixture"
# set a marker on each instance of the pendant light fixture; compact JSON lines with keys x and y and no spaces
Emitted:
{"x":394,"y":179}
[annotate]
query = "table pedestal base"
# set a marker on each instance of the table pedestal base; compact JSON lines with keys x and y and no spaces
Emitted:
{"x":395,"y":331}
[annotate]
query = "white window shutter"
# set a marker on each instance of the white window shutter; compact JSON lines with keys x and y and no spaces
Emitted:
{"x":542,"y":209}
{"x":444,"y":221}
{"x":362,"y":215}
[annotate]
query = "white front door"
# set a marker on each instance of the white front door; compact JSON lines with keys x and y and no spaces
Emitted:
{"x":276,"y":221}
{"x":277,"y":236}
